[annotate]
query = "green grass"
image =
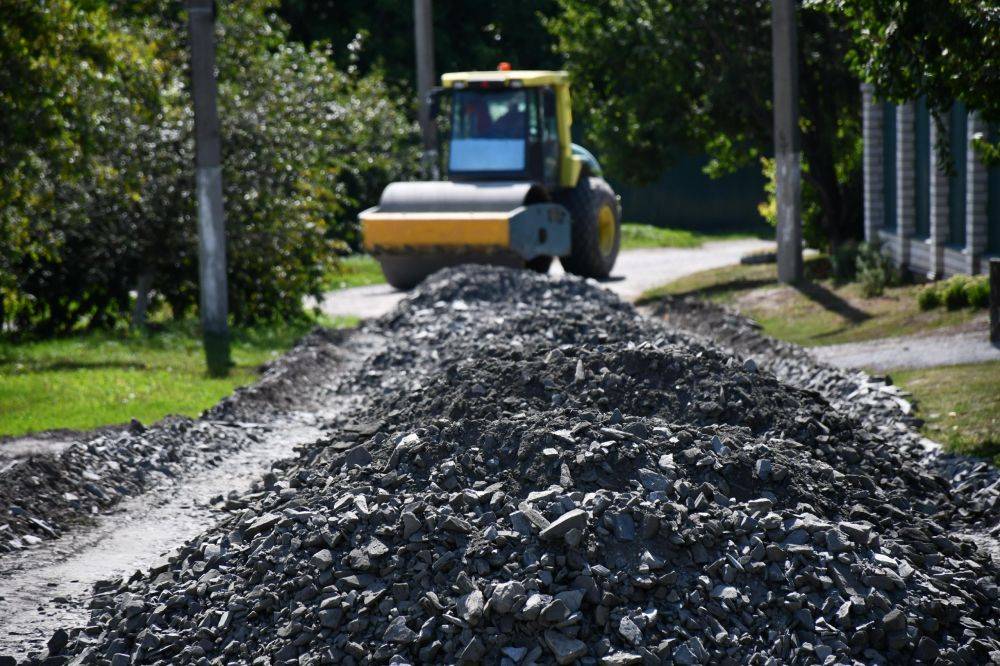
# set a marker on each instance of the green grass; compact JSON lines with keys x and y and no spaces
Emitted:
{"x":635,"y":236}
{"x":356,"y":270}
{"x":818,"y":312}
{"x":960,"y":405}
{"x":96,"y":379}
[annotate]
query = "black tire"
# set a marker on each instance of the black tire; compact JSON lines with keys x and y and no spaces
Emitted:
{"x":539,"y":264}
{"x":585,"y":203}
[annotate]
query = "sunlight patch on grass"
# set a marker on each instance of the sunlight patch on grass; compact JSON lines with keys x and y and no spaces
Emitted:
{"x":97,"y":379}
{"x":356,"y":270}
{"x":960,"y":405}
{"x":818,"y":312}
{"x":636,"y":236}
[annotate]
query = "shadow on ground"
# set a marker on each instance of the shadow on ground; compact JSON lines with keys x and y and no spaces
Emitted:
{"x":720,"y":288}
{"x":828,"y":300}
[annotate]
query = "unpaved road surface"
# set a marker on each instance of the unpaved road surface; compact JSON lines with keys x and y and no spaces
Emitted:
{"x":511,"y":468}
{"x":635,"y":272}
{"x":916,"y":351}
{"x":56,"y":581}
{"x":48,"y":577}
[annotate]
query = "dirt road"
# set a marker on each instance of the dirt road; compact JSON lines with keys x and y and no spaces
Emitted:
{"x":635,"y":272}
{"x":915,"y":351}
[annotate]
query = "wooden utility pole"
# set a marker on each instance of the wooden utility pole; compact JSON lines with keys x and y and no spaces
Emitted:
{"x":788,"y":178}
{"x":423,"y":32}
{"x":214,"y":308}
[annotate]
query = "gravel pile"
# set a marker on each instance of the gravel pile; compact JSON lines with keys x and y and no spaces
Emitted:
{"x":40,"y":496}
{"x":542,"y":476}
{"x":875,"y":401}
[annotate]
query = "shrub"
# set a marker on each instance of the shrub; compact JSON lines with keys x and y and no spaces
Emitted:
{"x":977,"y":291}
{"x":875,"y":270}
{"x":929,"y":298}
{"x":844,"y":261}
{"x":953,"y":292}
{"x":106,"y":199}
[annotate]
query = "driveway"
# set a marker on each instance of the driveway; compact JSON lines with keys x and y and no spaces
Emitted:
{"x":635,"y":272}
{"x":917,"y":351}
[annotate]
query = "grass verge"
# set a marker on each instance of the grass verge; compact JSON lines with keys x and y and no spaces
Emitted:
{"x":818,"y":312}
{"x":960,"y":405}
{"x":96,"y":379}
{"x":356,"y":270}
{"x":635,"y":236}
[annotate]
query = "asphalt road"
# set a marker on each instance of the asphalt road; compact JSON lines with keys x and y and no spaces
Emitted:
{"x":635,"y":272}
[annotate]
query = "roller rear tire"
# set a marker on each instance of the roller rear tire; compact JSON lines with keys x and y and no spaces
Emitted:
{"x":596,"y":232}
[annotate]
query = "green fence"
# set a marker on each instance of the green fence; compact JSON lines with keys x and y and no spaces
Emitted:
{"x":684,"y":197}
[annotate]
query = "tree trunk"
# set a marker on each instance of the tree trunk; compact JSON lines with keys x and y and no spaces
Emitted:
{"x":142,"y":287}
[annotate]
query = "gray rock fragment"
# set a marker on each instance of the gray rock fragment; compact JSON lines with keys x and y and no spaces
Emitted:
{"x":629,"y":631}
{"x":470,"y":607}
{"x":565,"y":650}
{"x":397,"y":632}
{"x":573,"y":519}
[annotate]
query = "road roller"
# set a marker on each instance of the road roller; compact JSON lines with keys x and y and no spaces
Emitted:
{"x":516,"y":191}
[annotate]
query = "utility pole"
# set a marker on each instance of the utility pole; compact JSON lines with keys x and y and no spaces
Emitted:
{"x":423,"y":29}
{"x":995,"y":301}
{"x":214,"y":308}
{"x":788,"y":177}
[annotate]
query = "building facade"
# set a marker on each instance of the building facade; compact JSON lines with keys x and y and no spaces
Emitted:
{"x":934,"y":220}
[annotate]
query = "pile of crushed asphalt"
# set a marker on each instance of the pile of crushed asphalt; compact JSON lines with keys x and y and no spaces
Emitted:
{"x":881,"y":406}
{"x":540,"y":475}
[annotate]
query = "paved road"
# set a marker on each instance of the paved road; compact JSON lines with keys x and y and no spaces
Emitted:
{"x":923,"y":351}
{"x":635,"y":272}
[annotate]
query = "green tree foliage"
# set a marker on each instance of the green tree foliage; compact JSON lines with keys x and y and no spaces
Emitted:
{"x":946,"y":50}
{"x":101,"y":197}
{"x":654,"y":78}
{"x":378,"y":34}
{"x":63,"y":157}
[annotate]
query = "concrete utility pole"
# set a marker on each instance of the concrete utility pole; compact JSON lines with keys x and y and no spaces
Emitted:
{"x":995,"y":301}
{"x":214,"y":308}
{"x":788,"y":178}
{"x":423,"y":29}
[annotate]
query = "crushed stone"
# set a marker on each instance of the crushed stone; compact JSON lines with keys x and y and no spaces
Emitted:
{"x":541,"y":475}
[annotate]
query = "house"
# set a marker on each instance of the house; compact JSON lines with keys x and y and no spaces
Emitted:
{"x":932,"y":220}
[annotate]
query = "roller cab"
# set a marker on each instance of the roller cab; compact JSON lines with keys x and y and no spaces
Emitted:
{"x":517,"y":190}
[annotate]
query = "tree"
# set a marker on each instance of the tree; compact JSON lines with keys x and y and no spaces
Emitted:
{"x":656,"y":78}
{"x":377,"y":34}
{"x":943,"y":50}
{"x":97,"y":193}
{"x":74,"y":86}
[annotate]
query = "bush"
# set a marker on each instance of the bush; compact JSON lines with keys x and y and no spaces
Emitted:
{"x":953,"y":292}
{"x":105,"y":200}
{"x":875,"y":270}
{"x":844,"y":261}
{"x":977,"y":291}
{"x":928,"y":298}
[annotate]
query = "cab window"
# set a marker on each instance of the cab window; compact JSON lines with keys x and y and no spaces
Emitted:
{"x":489,"y":129}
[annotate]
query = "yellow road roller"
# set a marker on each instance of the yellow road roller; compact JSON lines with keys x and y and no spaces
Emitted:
{"x":517,"y":191}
